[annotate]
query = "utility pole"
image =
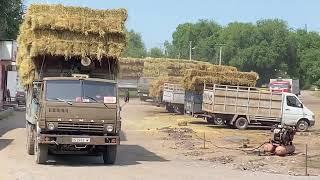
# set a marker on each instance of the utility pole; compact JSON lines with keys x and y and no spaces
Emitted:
{"x":220,"y":52}
{"x":190,"y":50}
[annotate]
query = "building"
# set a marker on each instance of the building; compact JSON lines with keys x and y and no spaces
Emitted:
{"x":8,"y":53}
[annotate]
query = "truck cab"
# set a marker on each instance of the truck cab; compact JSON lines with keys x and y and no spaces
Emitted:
{"x":295,"y":113}
{"x":143,"y":88}
{"x":280,"y":86}
{"x":73,"y":114}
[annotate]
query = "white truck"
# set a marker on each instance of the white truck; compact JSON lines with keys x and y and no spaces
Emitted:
{"x":242,"y":106}
{"x":173,"y":97}
{"x":285,"y":85}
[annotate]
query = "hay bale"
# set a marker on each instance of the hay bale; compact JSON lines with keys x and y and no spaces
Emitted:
{"x":76,"y":19}
{"x":156,"y":87}
{"x":69,"y":32}
{"x":195,"y":79}
{"x":131,"y":68}
{"x":170,"y":67}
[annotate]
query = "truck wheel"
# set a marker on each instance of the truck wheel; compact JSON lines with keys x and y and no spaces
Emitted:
{"x":302,"y":126}
{"x":218,"y":121}
{"x":210,"y":120}
{"x":241,"y":123}
{"x":169,"y":108}
{"x":41,"y":153}
{"x":110,"y":154}
{"x":30,"y":139}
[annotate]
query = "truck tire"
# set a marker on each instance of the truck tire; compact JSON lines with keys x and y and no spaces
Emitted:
{"x":218,"y":121}
{"x":210,"y":120}
{"x":169,"y":108}
{"x":302,"y":126}
{"x":110,"y":154}
{"x":41,"y":153}
{"x":241,"y":123}
{"x":30,"y":139}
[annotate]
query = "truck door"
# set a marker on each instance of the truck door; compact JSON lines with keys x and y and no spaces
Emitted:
{"x":292,"y":110}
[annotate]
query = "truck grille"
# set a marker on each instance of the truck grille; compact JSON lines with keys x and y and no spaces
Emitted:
{"x":87,"y":127}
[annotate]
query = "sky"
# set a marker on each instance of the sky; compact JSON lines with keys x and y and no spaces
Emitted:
{"x":157,"y":20}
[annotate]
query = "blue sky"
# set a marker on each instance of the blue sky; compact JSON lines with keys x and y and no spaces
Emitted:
{"x":157,"y":20}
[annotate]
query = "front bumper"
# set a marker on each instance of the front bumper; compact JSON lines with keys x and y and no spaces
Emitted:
{"x":69,"y":139}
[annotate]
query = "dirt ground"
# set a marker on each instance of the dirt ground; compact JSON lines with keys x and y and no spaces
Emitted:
{"x":234,"y":148}
{"x":155,"y":147}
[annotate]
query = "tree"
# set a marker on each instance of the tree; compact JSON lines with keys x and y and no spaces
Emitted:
{"x":11,"y":12}
{"x":198,"y":33}
{"x":156,"y":52}
{"x":135,"y":47}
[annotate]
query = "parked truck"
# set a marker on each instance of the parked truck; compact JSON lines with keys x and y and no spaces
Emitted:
{"x":143,"y":88}
{"x":242,"y":106}
{"x":285,"y":85}
{"x":173,"y":97}
{"x":193,"y":103}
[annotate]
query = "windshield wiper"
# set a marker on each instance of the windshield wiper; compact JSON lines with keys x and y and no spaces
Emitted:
{"x":94,"y":99}
{"x":63,"y":100}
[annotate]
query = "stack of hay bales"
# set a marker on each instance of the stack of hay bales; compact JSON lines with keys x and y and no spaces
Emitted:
{"x":168,"y":71}
{"x":194,"y":79}
{"x":131,"y":68}
{"x":157,"y":84}
{"x":69,"y":32}
{"x":170,"y":67}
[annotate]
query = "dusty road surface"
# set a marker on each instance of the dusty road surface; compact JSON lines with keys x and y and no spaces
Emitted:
{"x":145,"y":153}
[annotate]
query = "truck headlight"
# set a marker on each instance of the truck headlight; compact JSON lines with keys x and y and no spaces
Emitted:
{"x":51,"y":126}
{"x":109,"y":128}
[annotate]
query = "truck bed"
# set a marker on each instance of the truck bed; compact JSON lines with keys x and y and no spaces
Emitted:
{"x":247,"y":101}
{"x":173,"y":93}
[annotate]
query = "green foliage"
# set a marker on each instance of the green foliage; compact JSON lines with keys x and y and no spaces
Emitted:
{"x":11,"y":12}
{"x":268,"y":47}
{"x":156,"y":52}
{"x":135,"y":47}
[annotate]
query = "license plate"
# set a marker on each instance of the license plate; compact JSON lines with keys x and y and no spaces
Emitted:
{"x":80,"y":140}
{"x":145,"y":95}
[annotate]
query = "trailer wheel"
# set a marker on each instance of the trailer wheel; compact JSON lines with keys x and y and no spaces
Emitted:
{"x":302,"y":126}
{"x":241,"y":123}
{"x":218,"y":121}
{"x":30,"y":139}
{"x":110,"y":154}
{"x":41,"y":153}
{"x":169,"y":108}
{"x":210,"y":120}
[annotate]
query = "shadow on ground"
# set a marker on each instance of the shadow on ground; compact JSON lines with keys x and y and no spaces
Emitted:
{"x":17,"y":120}
{"x":127,"y":155}
{"x":228,"y":127}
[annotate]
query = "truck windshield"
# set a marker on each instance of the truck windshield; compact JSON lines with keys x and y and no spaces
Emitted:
{"x":67,"y":90}
{"x":283,"y":86}
{"x":80,"y":91}
{"x":99,"y":91}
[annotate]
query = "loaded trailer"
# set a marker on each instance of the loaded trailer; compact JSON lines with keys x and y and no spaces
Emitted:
{"x":173,"y":97}
{"x":240,"y":106}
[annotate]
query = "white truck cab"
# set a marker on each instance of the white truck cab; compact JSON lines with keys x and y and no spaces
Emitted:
{"x":295,"y":113}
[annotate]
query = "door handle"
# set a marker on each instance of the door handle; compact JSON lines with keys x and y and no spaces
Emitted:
{"x":287,"y":109}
